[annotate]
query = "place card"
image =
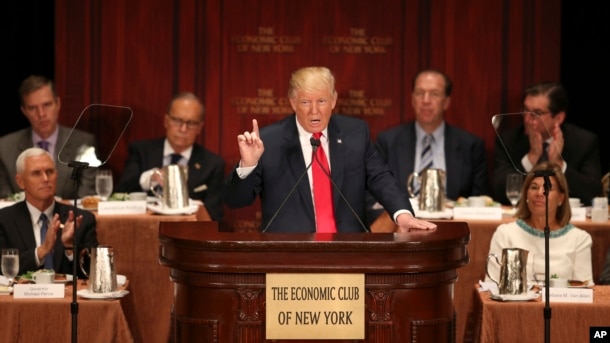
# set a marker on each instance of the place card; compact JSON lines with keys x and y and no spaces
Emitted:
{"x":39,"y":291}
{"x":579,"y":214}
{"x":569,"y":295}
{"x":462,"y":212}
{"x":121,"y":207}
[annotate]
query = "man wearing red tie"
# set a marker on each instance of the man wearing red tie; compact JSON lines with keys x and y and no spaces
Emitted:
{"x":334,"y":152}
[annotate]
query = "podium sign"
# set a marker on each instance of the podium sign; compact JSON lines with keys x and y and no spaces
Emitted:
{"x":315,"y":306}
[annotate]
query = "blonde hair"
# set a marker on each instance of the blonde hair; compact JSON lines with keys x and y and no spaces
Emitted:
{"x":311,"y":79}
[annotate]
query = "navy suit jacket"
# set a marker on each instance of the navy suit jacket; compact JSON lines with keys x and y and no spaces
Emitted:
{"x":16,"y":231}
{"x":204,"y":168}
{"x":355,"y":164}
{"x":465,"y":158}
{"x":580,"y":152}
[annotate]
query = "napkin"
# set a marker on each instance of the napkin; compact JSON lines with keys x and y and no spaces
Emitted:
{"x":3,"y":281}
{"x":488,"y":286}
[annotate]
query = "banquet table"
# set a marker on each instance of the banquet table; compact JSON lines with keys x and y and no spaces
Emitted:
{"x":50,"y":320}
{"x":523,"y":321}
{"x":481,"y":232}
{"x":135,"y":239}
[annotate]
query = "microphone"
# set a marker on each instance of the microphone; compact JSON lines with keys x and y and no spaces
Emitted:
{"x":315,"y":143}
{"x":315,"y":156}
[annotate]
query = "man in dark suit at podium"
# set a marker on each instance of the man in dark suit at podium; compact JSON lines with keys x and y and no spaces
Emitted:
{"x":183,"y":122}
{"x":276,"y":169}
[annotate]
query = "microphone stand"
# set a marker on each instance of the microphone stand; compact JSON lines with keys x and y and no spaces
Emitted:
{"x":546,"y":174}
{"x":76,"y":174}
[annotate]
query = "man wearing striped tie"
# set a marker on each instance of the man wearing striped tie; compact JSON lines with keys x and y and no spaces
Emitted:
{"x":431,"y":142}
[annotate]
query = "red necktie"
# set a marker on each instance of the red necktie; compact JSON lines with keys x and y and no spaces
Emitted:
{"x":322,"y":191}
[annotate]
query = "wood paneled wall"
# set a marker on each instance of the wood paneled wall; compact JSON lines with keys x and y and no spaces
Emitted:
{"x":237,"y":55}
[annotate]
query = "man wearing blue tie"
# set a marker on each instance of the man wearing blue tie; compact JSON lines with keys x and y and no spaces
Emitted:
{"x":42,"y":229}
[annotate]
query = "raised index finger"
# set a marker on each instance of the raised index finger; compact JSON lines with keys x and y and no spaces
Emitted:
{"x":255,"y":127}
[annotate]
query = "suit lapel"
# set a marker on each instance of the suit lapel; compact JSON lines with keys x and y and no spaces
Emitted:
{"x":406,"y":147}
{"x":336,"y":146}
{"x":296,"y":162}
{"x":453,"y":161}
{"x":24,"y":224}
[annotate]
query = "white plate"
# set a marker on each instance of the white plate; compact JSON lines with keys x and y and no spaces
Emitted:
{"x":5,"y":290}
{"x":516,"y":297}
{"x":68,"y":278}
{"x":587,"y":285}
{"x":447,"y":214}
{"x":84,"y":293}
{"x":158,"y":208}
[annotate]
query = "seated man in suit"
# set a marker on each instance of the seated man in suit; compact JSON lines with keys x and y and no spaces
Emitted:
{"x":23,"y":225}
{"x":574,"y":149}
{"x":328,"y":148}
{"x":41,"y":104}
{"x":183,"y":122}
{"x":459,"y":153}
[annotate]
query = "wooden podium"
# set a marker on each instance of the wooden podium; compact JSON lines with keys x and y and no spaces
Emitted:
{"x":219,"y":279}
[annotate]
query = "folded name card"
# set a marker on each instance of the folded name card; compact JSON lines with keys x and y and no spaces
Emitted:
{"x":579,"y":214}
{"x":121,"y":207}
{"x":569,"y":295}
{"x":494,"y":213}
{"x":39,"y":291}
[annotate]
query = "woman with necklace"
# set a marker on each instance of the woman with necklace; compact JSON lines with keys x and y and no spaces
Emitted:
{"x":569,"y":246}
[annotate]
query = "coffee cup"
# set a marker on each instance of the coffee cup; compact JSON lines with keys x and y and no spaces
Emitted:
{"x":476,"y":201}
{"x":44,"y":276}
{"x":574,"y":202}
{"x":558,"y":283}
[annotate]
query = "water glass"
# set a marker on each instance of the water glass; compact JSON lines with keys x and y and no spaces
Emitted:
{"x":10,"y":264}
{"x":103,"y":183}
{"x":514,"y":182}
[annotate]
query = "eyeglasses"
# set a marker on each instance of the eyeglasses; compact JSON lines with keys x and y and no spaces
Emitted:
{"x":536,"y":113}
{"x":177,"y":122}
{"x":435,"y":94}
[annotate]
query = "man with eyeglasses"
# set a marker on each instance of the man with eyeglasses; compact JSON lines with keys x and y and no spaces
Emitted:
{"x":183,"y":122}
{"x":546,"y":136}
{"x":458,"y":152}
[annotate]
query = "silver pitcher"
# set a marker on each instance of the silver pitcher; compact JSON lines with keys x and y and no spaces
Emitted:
{"x":102,"y":277}
{"x":431,"y":190}
{"x":513,"y":270}
{"x":174,"y":193}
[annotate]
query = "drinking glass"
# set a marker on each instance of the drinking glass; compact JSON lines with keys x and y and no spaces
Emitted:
{"x":103,"y":183}
{"x":514,"y":181}
{"x":10,"y":264}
